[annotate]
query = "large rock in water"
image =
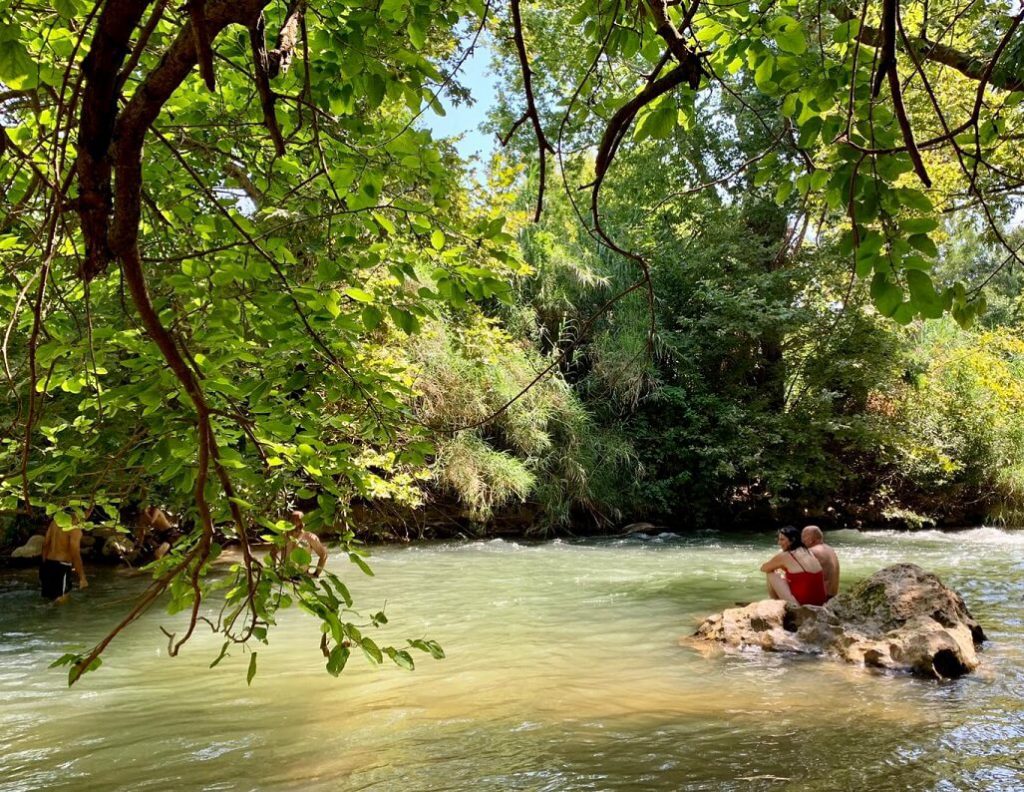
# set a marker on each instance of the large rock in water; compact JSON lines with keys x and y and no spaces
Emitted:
{"x":33,"y":548}
{"x":901,"y":618}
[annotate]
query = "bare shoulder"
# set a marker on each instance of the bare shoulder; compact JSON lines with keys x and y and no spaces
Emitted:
{"x":825,"y":555}
{"x":777,"y":561}
{"x":811,"y":557}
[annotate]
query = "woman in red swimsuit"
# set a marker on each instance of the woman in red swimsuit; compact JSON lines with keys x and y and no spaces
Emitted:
{"x":794,"y":574}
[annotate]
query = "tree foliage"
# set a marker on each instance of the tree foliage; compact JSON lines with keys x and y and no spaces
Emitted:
{"x":215,"y":216}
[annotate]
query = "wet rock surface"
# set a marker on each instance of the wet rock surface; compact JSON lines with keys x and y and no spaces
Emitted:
{"x":901,"y":618}
{"x":33,"y":548}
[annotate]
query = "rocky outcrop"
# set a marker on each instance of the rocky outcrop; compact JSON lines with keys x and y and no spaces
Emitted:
{"x":900,"y":618}
{"x":33,"y":548}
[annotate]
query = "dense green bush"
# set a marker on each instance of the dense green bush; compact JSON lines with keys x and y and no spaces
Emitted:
{"x":541,"y":448}
{"x":959,"y":423}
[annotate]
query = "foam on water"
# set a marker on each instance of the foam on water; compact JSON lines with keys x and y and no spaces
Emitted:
{"x":981,"y":536}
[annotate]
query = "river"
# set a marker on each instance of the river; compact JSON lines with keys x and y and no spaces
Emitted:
{"x":563,"y":672}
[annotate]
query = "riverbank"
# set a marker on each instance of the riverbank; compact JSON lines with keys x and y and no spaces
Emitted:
{"x":382,"y":524}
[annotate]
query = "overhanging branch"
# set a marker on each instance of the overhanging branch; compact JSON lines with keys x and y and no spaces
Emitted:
{"x":543,"y":146}
{"x":922,"y":48}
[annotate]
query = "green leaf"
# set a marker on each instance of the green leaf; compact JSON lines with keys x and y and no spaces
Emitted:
{"x":918,"y":225}
{"x":435,"y":650}
{"x":886,"y":295}
{"x":916,"y":262}
{"x":76,"y":670}
{"x":924,"y":243}
{"x":865,"y":263}
{"x":846,"y":31}
{"x":359,"y":562}
{"x":372,"y":317}
{"x":301,"y":557}
{"x":337,"y":659}
{"x":904,"y":314}
{"x":252,"y":669}
{"x":809,"y":132}
{"x":431,"y":647}
{"x":417,"y":34}
{"x":371,"y":650}
{"x":385,"y":223}
{"x":402,"y":659}
{"x":437,"y":239}
{"x":65,"y":659}
{"x":340,"y":587}
{"x":922,"y":290}
{"x":404,"y":320}
{"x":376,"y":89}
{"x":657,"y":124}
{"x":17,"y":68}
{"x":65,"y":8}
{"x":763,"y":73}
{"x":789,"y":35}
{"x":914,"y":199}
{"x":357,"y":294}
{"x":223,"y":653}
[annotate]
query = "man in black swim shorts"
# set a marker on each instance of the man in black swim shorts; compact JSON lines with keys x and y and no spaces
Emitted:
{"x":62,"y":555}
{"x":55,"y":578}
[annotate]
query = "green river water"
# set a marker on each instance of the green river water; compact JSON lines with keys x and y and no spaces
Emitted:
{"x":564,"y":672}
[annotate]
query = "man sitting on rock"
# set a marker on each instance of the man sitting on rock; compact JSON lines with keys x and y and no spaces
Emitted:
{"x":814,"y":541}
{"x":62,"y":554}
{"x":153,"y":528}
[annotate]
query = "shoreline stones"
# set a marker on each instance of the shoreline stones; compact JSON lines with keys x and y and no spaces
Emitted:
{"x":901,"y":618}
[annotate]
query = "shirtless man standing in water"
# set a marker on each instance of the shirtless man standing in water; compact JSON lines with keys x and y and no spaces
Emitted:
{"x":298,"y":534}
{"x":814,"y":541}
{"x":62,"y":554}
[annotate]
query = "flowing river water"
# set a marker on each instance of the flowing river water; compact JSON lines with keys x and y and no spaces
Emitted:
{"x":563,"y":672}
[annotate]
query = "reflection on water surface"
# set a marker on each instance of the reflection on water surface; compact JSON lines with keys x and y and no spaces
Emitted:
{"x":563,"y":673}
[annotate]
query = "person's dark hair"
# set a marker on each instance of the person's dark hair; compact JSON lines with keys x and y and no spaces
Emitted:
{"x":792,"y":533}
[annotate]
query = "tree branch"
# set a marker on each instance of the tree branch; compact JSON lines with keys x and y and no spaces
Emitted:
{"x":685,"y":57}
{"x":543,"y":146}
{"x":968,"y":65}
{"x":280,"y":58}
{"x":201,"y":38}
{"x":261,"y":70}
{"x":122,"y":241}
{"x":101,"y":67}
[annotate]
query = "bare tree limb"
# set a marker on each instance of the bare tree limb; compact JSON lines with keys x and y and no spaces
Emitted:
{"x":261,"y":70}
{"x":685,"y":57}
{"x":543,"y":146}
{"x":201,"y":37}
{"x":101,"y":67}
{"x":280,"y":58}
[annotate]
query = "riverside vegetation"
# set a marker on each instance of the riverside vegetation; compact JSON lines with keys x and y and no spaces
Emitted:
{"x":734,"y":264}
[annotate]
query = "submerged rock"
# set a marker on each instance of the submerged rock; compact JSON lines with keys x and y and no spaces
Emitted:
{"x":900,"y":618}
